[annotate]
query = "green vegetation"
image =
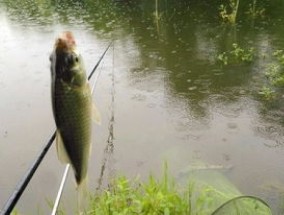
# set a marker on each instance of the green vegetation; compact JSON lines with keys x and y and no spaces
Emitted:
{"x":254,"y":11}
{"x":267,"y":93}
{"x":208,"y":193}
{"x":275,"y":77}
{"x":134,"y":197}
{"x":164,"y":197}
{"x":236,"y":55}
{"x":229,"y":12}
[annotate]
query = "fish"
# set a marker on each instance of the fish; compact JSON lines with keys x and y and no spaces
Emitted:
{"x":72,"y":105}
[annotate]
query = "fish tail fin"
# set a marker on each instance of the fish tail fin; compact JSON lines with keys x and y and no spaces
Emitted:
{"x":82,"y":194}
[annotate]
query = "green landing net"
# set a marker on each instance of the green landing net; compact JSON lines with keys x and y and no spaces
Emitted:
{"x":213,"y":194}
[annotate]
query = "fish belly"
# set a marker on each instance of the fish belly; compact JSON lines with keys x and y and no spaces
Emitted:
{"x":72,"y":112}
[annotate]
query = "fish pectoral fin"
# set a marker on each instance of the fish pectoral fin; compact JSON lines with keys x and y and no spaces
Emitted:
{"x":96,"y":116}
{"x":61,"y":151}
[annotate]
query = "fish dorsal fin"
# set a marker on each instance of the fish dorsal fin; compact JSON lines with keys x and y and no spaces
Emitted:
{"x":61,"y":151}
{"x":96,"y":116}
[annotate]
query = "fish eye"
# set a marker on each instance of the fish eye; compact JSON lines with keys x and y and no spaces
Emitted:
{"x":69,"y":59}
{"x":76,"y":59}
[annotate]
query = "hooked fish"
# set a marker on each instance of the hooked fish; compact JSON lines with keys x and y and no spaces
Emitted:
{"x":72,"y":105}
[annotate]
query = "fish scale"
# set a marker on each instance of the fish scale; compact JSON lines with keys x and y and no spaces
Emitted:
{"x":73,"y":121}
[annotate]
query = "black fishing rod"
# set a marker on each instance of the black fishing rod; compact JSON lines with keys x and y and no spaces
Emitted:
{"x":21,"y":186}
{"x":98,"y":63}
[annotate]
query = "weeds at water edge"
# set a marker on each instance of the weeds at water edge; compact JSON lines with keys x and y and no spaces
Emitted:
{"x":133,"y":197}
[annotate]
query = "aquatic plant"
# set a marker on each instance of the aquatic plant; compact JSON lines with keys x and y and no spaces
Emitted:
{"x":236,"y":55}
{"x":279,"y":54}
{"x":267,"y":93}
{"x":275,"y":77}
{"x":244,"y":55}
{"x":255,"y":12}
{"x":223,"y":57}
{"x":275,"y":71}
{"x":229,"y":12}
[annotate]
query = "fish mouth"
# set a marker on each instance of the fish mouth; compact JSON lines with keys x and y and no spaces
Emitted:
{"x":66,"y":50}
{"x":66,"y":43}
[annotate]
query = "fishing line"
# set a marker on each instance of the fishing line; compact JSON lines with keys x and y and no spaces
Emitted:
{"x":21,"y":186}
{"x":59,"y":194}
{"x":112,"y":122}
{"x":108,"y":151}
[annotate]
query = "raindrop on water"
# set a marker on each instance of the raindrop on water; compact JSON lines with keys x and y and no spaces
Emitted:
{"x":192,"y":88}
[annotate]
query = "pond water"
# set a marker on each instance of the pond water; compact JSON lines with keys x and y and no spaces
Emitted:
{"x":173,"y":100}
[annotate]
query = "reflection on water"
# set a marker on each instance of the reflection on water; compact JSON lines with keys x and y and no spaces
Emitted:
{"x":173,"y":99}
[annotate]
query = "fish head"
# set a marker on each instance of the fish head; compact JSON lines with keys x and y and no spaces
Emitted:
{"x":66,"y":62}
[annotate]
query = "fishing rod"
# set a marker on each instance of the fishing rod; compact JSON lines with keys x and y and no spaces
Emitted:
{"x":98,"y":63}
{"x":12,"y":201}
{"x":21,"y":186}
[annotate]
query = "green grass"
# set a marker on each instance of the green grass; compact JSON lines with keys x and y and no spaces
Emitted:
{"x":207,"y":193}
{"x":133,"y":197}
{"x":164,"y":197}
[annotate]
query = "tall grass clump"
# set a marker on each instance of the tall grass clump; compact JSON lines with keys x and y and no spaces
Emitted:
{"x":129,"y":197}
